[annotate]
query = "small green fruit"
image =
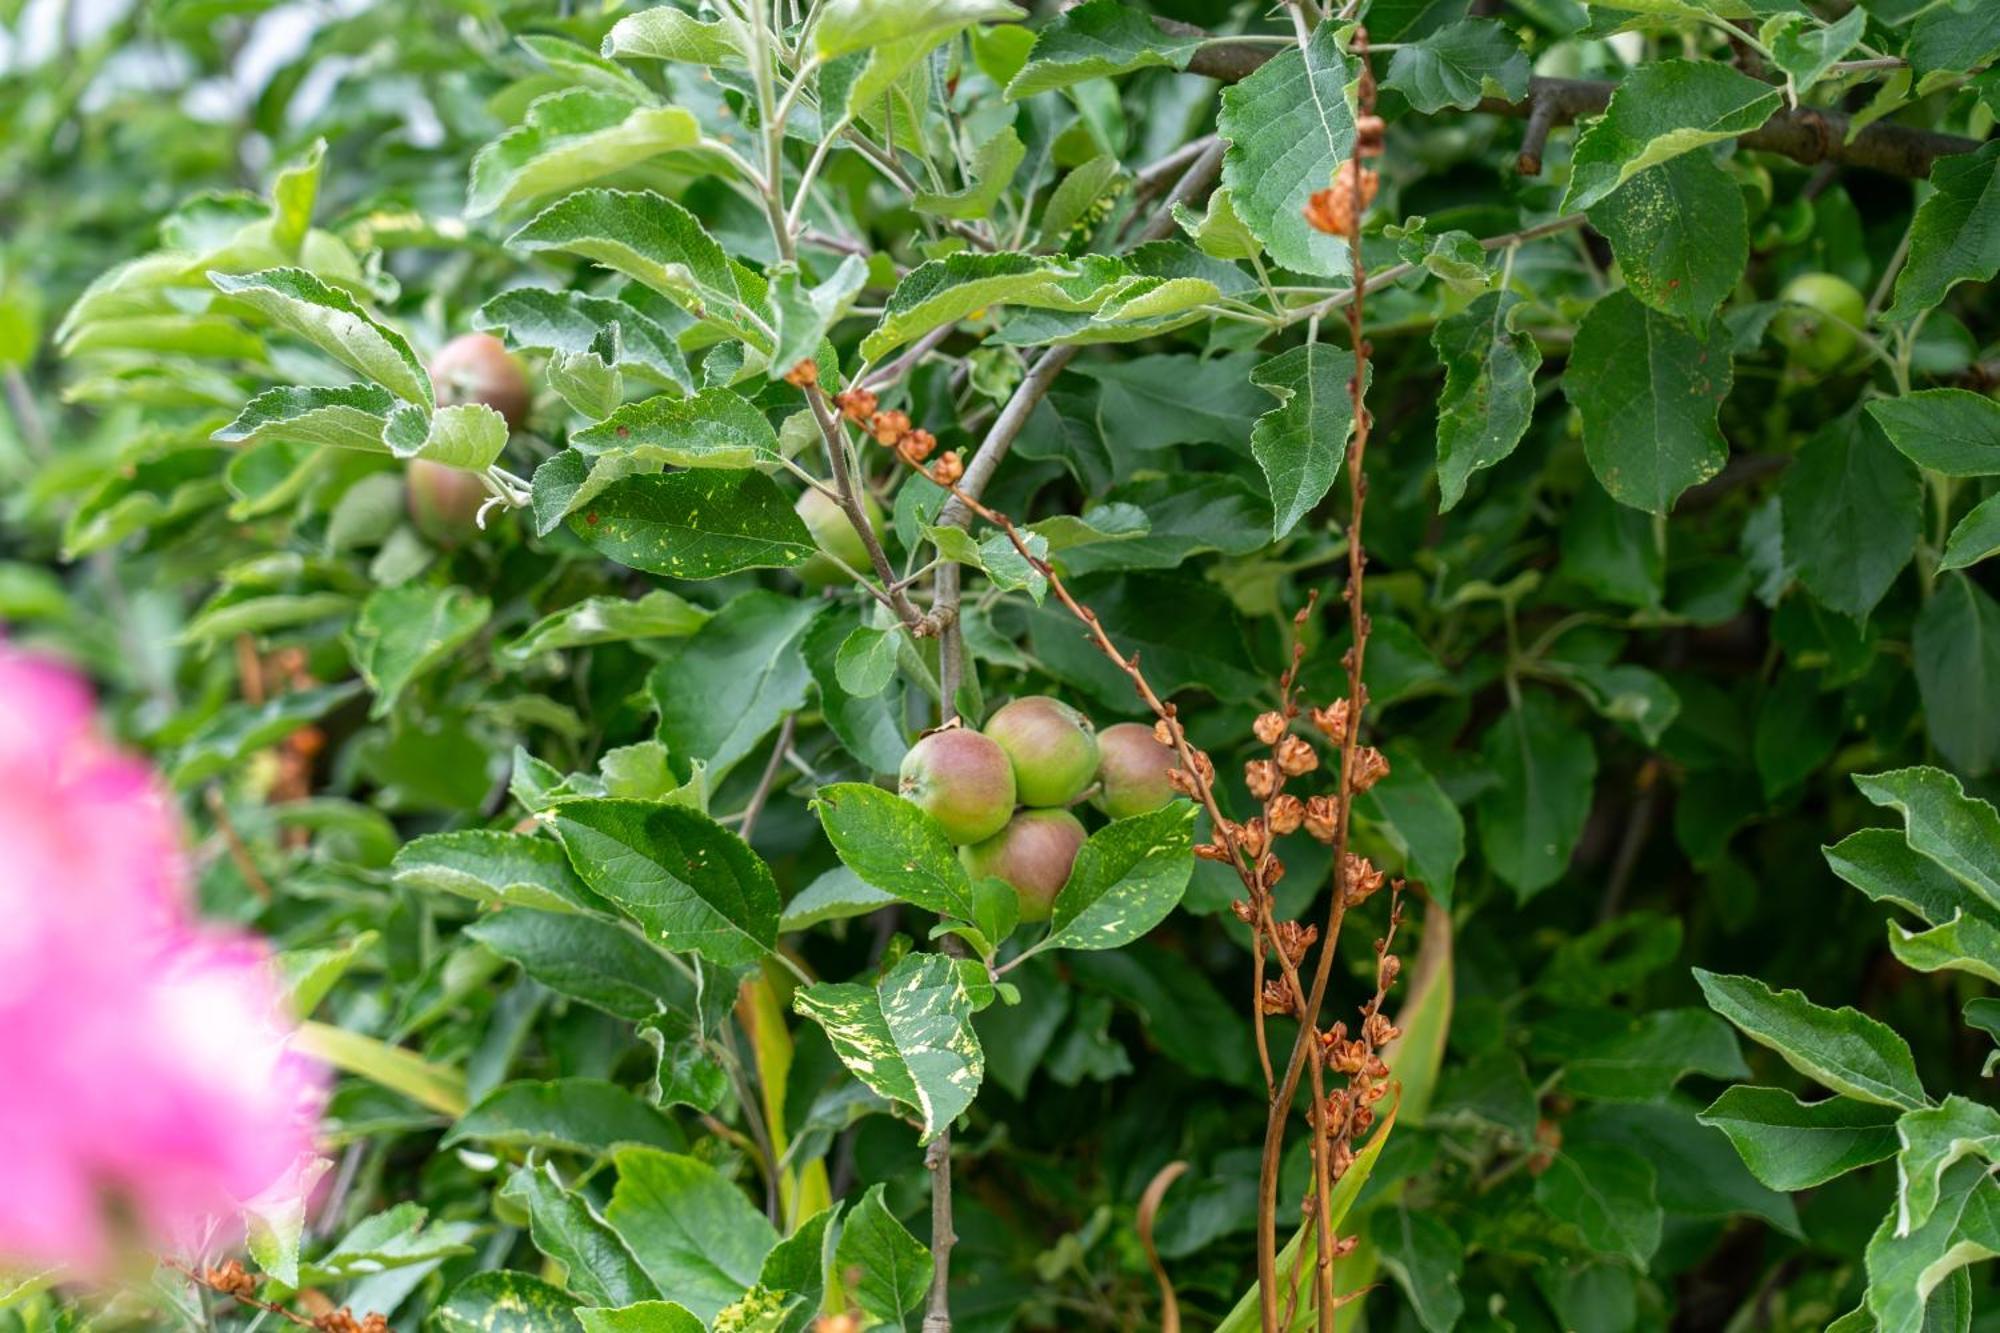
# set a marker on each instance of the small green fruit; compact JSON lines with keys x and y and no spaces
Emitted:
{"x":962,"y":780}
{"x":1819,"y":319}
{"x":1132,"y":771}
{"x":835,"y":534}
{"x":477,"y":368}
{"x":1033,"y":854}
{"x":444,"y":501}
{"x":1054,"y":748}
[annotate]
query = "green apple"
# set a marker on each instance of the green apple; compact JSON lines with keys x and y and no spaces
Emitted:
{"x":477,"y":368}
{"x":834,"y":533}
{"x":1054,"y":748}
{"x":1818,"y":322}
{"x":1033,"y":854}
{"x":962,"y":780}
{"x":1132,"y":771}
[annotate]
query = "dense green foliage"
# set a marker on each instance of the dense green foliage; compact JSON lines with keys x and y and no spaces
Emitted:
{"x":1681,"y":502}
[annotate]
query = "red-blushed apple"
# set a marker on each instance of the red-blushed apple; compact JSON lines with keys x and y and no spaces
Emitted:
{"x":444,"y":501}
{"x":1033,"y":854}
{"x":962,"y":780}
{"x":1132,"y":770}
{"x":1053,"y":746}
{"x":477,"y":368}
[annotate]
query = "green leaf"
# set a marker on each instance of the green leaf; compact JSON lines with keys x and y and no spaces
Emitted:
{"x":602,"y":963}
{"x":947,"y":290}
{"x":1964,"y":1228}
{"x":855,"y":25}
{"x":1219,"y":233}
{"x":1932,"y":1140}
{"x":1852,"y":512}
{"x":909,"y":1037}
{"x":393,"y":1067}
{"x":350,"y":417}
{"x":1952,"y":38}
{"x":401,"y":633}
{"x":1186,"y":632}
{"x":895,"y":846}
{"x":667,"y":33}
{"x":1607,"y":1056}
{"x":1489,"y":389}
{"x":1955,"y":235}
{"x":330,"y":320}
{"x":1300,"y":443}
{"x":535,"y":319}
{"x":1959,"y":833}
{"x":1454,"y":65}
{"x":1952,"y":431}
{"x":1532,"y":815}
{"x":866,"y":661}
{"x":568,"y":139}
{"x":1096,"y":40}
{"x":1957,"y":647}
{"x":805,"y":314}
{"x":892,"y":1267}
{"x":1633,"y":363}
{"x":712,"y":429}
{"x":835,"y":895}
{"x":1698,"y":1174}
{"x":1414,"y":815}
{"x":1660,"y":111}
{"x":1681,"y":234}
{"x":699,"y":524}
{"x":696,"y":1234}
{"x":1607,"y":1194}
{"x":568,"y":1230}
{"x":274,"y":1223}
{"x":1289,"y":126}
{"x":1425,"y":1257}
{"x":241,"y":729}
{"x":466,"y":435}
{"x":646,"y":1316}
{"x":1976,"y":537}
{"x":1806,"y":48}
{"x":583,"y":1115}
{"x":723,"y":690}
{"x":1843,"y":1049}
{"x":643,"y":236}
{"x":690,"y":883}
{"x":504,"y":1302}
{"x":860,"y":709}
{"x":988,"y":175}
{"x":1793,"y":1145}
{"x":494,"y":868}
{"x":1127,"y":877}
{"x":658,"y":614}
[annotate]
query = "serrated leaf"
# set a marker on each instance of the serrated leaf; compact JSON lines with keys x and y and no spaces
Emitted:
{"x":1300,"y":443}
{"x":1452,"y":66}
{"x":646,"y":237}
{"x":570,"y":138}
{"x":402,"y":633}
{"x":1531,"y":818}
{"x":837,"y":894}
{"x":1127,"y":877}
{"x":596,"y":1264}
{"x":584,"y":1115}
{"x":856,"y":25}
{"x":715,"y":428}
{"x":1852,"y":510}
{"x":1959,"y":833}
{"x":494,"y":868}
{"x":1805,"y":48}
{"x":1680,"y":232}
{"x":504,"y":1302}
{"x":696,"y":1234}
{"x":1489,"y":389}
{"x":988,"y":175}
{"x":1219,"y":233}
{"x":330,"y":320}
{"x":1096,"y":40}
{"x":1659,"y":111}
{"x":909,"y":1037}
{"x":725,"y":689}
{"x":1955,"y":235}
{"x":1964,"y":1228}
{"x":1957,"y":646}
{"x":1425,"y":1257}
{"x":690,"y":883}
{"x":1933,"y":1139}
{"x":700,"y":524}
{"x":468,"y":436}
{"x":534,"y":319}
{"x":658,"y":614}
{"x":860,"y":708}
{"x":1649,"y":393}
{"x":667,"y":33}
{"x":350,"y":417}
{"x":1289,"y":126}
{"x":1607,"y":1056}
{"x":893,"y":1267}
{"x":1607,"y":1194}
{"x":1843,"y":1049}
{"x":1793,"y":1145}
{"x":805,"y":314}
{"x":1951,"y":431}
{"x":945,"y":291}
{"x":895,"y":846}
{"x":1976,"y":536}
{"x":602,"y":963}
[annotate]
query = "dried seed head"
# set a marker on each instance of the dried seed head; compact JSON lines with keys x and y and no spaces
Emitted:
{"x":1337,"y":1164}
{"x":948,"y":469}
{"x":889,"y":427}
{"x":1163,"y":732}
{"x":1213,"y":851}
{"x":1261,"y":776}
{"x":1243,"y":911}
{"x":1269,"y":727}
{"x":1296,"y":756}
{"x":1359,"y":879}
{"x":1368,"y":132}
{"x":1273,"y":871}
{"x":857,"y":405}
{"x":1254,"y":838}
{"x":1293,"y":938}
{"x":230,"y":1279}
{"x":1387,"y":970}
{"x":1379,"y":1030}
{"x":1321,"y":818}
{"x":1285,"y":813}
{"x":1332,"y":721}
{"x":1345,"y":1246}
{"x":1276,"y":997}
{"x":803,"y":375}
{"x":1332,"y":210}
{"x":1370,"y":767}
{"x":916,"y":446}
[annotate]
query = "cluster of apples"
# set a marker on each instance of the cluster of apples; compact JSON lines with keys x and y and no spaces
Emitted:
{"x":1003,"y":794}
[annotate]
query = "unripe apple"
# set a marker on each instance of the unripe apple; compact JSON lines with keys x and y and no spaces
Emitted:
{"x":1054,"y":748}
{"x":1819,"y":319}
{"x":1132,"y":768}
{"x":477,"y":368}
{"x":962,"y":780}
{"x":833,"y":532}
{"x":1032,"y":854}
{"x":444,"y":501}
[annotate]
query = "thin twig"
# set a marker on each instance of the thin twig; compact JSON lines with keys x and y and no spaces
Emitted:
{"x":769,"y":779}
{"x":239,"y":851}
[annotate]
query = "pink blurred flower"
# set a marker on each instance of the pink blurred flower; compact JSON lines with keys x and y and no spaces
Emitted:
{"x":144,"y":1076}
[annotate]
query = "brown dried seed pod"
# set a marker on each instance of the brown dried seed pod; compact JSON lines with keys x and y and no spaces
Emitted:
{"x":1255,"y":838}
{"x":1163,"y":732}
{"x":1359,"y":878}
{"x":1370,"y":767}
{"x":889,"y":427}
{"x":1262,"y":778}
{"x":1332,"y":721}
{"x":857,"y":405}
{"x":1273,"y":871}
{"x":916,"y":446}
{"x":1285,"y":814}
{"x":1269,"y":727}
{"x":1296,"y":756}
{"x":1321,"y":818}
{"x":1277,"y":997}
{"x":948,"y":469}
{"x":803,"y":375}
